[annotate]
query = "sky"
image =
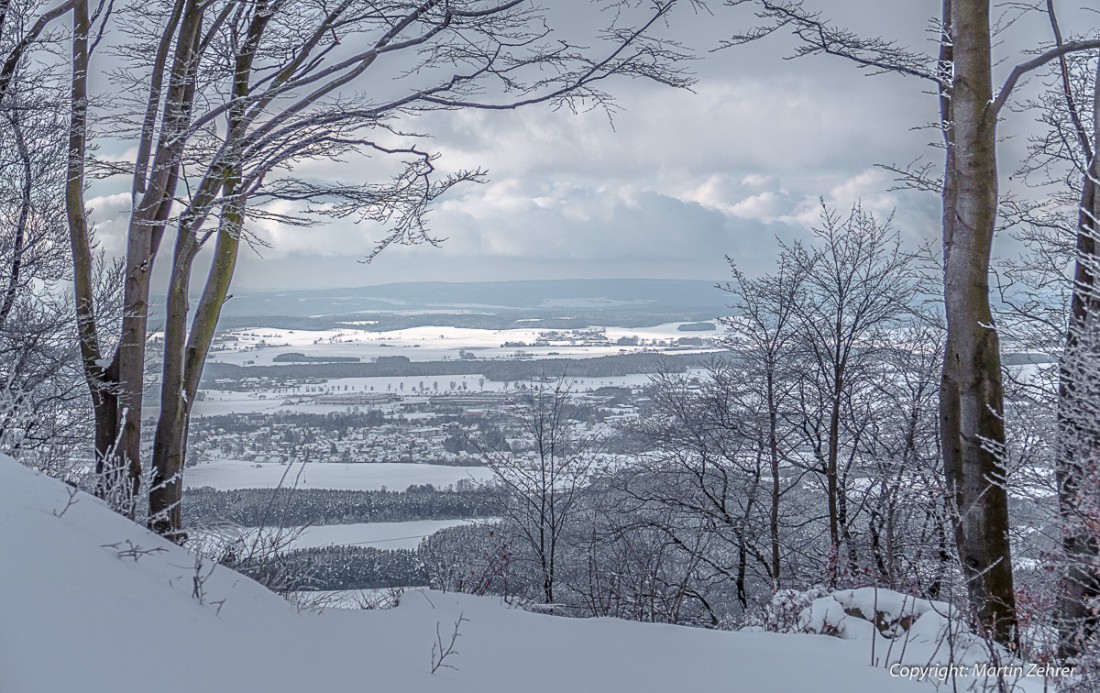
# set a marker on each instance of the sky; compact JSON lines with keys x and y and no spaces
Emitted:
{"x":672,"y":183}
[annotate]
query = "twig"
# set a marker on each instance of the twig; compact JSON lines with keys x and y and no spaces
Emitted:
{"x":73,"y":500}
{"x":132,"y":550}
{"x":441,"y":652}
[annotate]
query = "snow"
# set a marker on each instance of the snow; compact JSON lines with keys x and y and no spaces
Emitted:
{"x":227,"y":475}
{"x":380,"y":535}
{"x":80,"y":615}
{"x":892,"y":605}
{"x":428,"y":342}
{"x":921,"y":639}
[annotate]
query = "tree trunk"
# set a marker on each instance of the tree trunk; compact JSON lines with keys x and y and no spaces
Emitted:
{"x":971,"y":398}
{"x":183,"y":366}
{"x":119,"y":482}
{"x":19,"y":242}
{"x":185,"y":351}
{"x":117,"y":383}
{"x":773,"y":454}
{"x":148,"y":221}
{"x":832,"y":487}
{"x":741,"y":582}
{"x":170,"y":439}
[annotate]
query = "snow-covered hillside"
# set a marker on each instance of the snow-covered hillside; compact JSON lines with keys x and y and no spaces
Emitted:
{"x":90,"y":602}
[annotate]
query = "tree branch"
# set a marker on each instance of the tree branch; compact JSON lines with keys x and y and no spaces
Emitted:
{"x":1037,"y":62}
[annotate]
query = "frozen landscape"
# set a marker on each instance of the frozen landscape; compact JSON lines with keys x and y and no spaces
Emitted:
{"x":506,"y":346}
{"x":258,"y":346}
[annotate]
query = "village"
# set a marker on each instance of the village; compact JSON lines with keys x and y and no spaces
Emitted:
{"x":332,"y":423}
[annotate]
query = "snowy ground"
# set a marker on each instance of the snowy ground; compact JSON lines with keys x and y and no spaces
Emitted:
{"x":380,"y":535}
{"x":94,"y":603}
{"x":91,"y":602}
{"x":226,"y":475}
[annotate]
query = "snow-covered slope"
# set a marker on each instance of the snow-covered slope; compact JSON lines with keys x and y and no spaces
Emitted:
{"x":92,"y":603}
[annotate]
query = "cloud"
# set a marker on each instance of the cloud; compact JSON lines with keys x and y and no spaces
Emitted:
{"x":675,"y":181}
{"x":110,"y":215}
{"x":752,"y":197}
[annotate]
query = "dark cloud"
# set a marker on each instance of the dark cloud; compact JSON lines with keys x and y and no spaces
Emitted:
{"x":515,"y":230}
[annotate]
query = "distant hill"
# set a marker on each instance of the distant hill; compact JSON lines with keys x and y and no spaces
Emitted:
{"x":559,"y":303}
{"x":492,"y":297}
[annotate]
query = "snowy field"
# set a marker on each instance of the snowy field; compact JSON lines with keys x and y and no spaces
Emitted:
{"x":428,"y":343}
{"x":379,"y":535}
{"x":226,"y":475}
{"x":433,"y":343}
{"x":89,"y":584}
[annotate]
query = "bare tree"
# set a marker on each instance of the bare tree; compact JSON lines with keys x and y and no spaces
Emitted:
{"x":761,"y":335}
{"x":1053,"y":296}
{"x":971,"y":393}
{"x":223,"y":100}
{"x":634,"y":568}
{"x":544,"y":482}
{"x":857,"y":282}
{"x":703,"y":481}
{"x":908,"y":516}
{"x":1079,"y":394}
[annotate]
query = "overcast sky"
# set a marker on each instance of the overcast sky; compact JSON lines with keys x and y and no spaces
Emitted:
{"x":681,"y":180}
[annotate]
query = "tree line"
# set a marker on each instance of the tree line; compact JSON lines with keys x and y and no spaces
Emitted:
{"x":498,"y":370}
{"x":207,"y":507}
{"x":334,"y":568}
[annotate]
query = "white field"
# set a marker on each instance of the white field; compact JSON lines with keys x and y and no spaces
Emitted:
{"x":428,"y":343}
{"x":226,"y":475}
{"x":380,"y":535}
